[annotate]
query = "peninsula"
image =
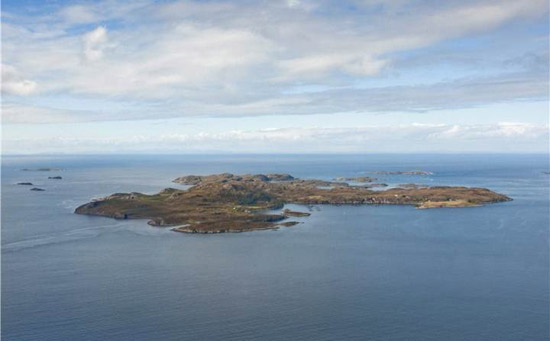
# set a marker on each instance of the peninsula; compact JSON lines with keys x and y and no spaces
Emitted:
{"x":238,"y":203}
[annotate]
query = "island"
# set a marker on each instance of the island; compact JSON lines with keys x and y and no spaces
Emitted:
{"x":55,"y":177}
{"x":356,"y":179}
{"x":411,"y":172}
{"x":238,"y":203}
{"x":36,"y":189}
{"x":40,"y":169}
{"x":24,"y":183}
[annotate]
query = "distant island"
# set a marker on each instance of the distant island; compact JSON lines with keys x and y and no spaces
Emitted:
{"x":356,"y":179}
{"x":411,"y":172}
{"x":40,"y":169}
{"x":238,"y":203}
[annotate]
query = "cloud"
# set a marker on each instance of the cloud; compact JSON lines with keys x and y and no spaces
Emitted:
{"x":501,"y":137}
{"x":94,"y":43}
{"x":459,"y":94}
{"x":14,"y":113}
{"x":13,"y":83}
{"x":98,"y":11}
{"x":502,"y":130}
{"x":319,"y":65}
{"x":79,"y":14}
{"x":293,"y":3}
{"x":474,"y":17}
{"x":229,"y":58}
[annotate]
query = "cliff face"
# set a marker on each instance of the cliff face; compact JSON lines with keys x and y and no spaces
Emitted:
{"x":236,"y":203}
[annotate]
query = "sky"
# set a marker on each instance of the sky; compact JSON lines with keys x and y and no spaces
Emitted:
{"x":275,"y":76}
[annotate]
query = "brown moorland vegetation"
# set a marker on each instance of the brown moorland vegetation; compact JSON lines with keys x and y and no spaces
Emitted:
{"x":237,"y":203}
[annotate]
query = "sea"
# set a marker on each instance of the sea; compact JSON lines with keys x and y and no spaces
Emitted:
{"x":344,"y":273}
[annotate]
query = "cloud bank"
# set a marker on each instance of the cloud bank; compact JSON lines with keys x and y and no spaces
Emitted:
{"x":508,"y":136}
{"x":250,"y":58}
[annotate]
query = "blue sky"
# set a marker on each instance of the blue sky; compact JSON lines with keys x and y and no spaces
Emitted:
{"x":360,"y":76}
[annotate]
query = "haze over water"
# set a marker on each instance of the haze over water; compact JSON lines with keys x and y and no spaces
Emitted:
{"x":346,"y":272}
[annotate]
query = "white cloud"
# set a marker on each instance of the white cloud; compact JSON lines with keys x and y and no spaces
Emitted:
{"x":13,"y":83}
{"x":502,"y":137}
{"x":319,"y":65}
{"x":79,"y":14}
{"x":94,"y":43}
{"x":97,"y":11}
{"x":235,"y":58}
{"x":502,"y":130}
{"x":465,"y":93}
{"x":293,"y":3}
{"x":182,"y":59}
{"x":17,"y":114}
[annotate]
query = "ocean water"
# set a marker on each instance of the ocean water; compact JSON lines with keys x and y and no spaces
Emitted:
{"x":346,"y":272}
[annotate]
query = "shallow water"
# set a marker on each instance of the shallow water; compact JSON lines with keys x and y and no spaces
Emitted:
{"x":346,"y":272}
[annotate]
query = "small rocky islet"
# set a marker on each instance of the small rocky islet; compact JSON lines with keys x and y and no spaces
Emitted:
{"x":239,"y":203}
{"x":38,"y":189}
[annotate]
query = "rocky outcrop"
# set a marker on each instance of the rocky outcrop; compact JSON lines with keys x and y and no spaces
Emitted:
{"x":289,"y":223}
{"x":280,"y":177}
{"x":375,"y":184}
{"x":289,"y":213}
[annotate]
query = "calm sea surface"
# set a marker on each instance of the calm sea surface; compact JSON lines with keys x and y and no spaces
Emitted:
{"x":347,"y":272}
